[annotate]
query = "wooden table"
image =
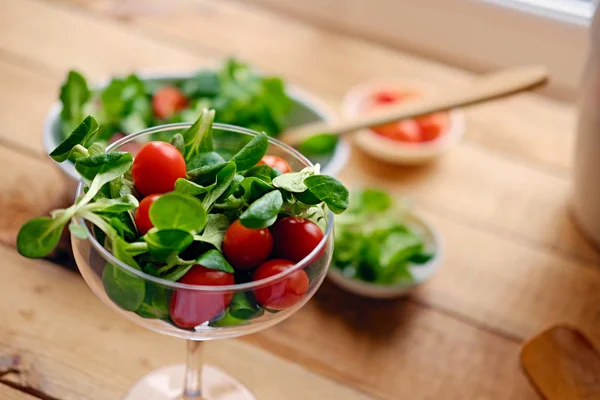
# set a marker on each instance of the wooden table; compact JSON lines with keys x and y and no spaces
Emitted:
{"x":514,"y":264}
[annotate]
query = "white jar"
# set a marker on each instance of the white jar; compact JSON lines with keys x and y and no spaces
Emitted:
{"x":586,"y":168}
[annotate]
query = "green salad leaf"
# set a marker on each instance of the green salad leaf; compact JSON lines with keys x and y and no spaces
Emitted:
{"x":263,"y":212}
{"x":178,"y":211}
{"x":373,"y":243}
{"x":74,"y":94}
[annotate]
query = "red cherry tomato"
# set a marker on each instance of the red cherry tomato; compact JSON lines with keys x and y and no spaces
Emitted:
{"x":167,"y":101}
{"x":190,"y":308}
{"x":295,"y":238}
{"x":142,"y":219}
{"x":132,"y":147}
{"x":276,"y":162}
{"x":283,"y":293}
{"x":405,"y":131}
{"x":433,"y":125}
{"x":156,"y":168}
{"x":386,"y":96}
{"x":246,"y":248}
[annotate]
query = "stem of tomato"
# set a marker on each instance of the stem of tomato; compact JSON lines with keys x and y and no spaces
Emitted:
{"x":192,"y":387}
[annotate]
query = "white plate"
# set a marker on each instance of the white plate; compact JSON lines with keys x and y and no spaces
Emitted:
{"x":391,"y":150}
{"x":421,"y":273}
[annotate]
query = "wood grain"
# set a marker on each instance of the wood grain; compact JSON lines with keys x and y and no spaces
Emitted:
{"x":82,"y":350}
{"x":562,"y":364}
{"x":30,"y":186}
{"x":28,"y":94}
{"x":510,"y":178}
{"x":8,"y":393}
{"x":71,"y":349}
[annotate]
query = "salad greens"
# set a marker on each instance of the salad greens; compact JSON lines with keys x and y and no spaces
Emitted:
{"x":189,"y":223}
{"x":372,"y":242}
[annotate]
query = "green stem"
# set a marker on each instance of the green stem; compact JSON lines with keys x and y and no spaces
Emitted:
{"x":136,"y":248}
{"x":231,"y":206}
{"x":78,"y":151}
{"x":100,"y":223}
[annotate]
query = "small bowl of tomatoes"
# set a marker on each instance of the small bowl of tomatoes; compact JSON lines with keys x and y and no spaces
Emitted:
{"x":410,"y":141}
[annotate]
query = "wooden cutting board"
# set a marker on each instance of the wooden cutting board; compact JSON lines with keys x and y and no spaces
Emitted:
{"x":562,"y":364}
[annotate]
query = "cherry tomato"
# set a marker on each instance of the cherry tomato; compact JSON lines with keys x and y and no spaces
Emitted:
{"x":433,"y":125}
{"x":132,"y":147}
{"x":142,"y":219}
{"x":156,"y":168}
{"x":283,"y":293}
{"x":405,"y":131}
{"x":295,"y":238}
{"x":246,"y":248}
{"x":276,"y":162}
{"x":167,"y":101}
{"x":386,"y":96}
{"x":190,"y":308}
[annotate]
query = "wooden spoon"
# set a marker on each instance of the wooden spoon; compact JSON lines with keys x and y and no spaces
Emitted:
{"x":562,"y":364}
{"x":489,"y":87}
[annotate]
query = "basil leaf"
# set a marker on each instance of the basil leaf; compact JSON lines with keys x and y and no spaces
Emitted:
{"x":263,"y":172}
{"x":255,"y":188}
{"x":263,"y":212}
{"x":178,"y":211}
{"x":156,"y":302}
{"x":226,"y":319}
{"x":163,"y":243}
{"x":329,"y":190}
{"x":81,"y":135}
{"x":215,"y":229}
{"x":123,"y":224}
{"x":252,"y":152}
{"x":114,"y":206}
{"x":193,"y":189}
{"x":38,"y":237}
{"x":244,"y":306}
{"x":307,"y":197}
{"x":198,"y":138}
{"x":178,"y":142}
{"x":203,"y":159}
{"x":125,"y":290}
{"x":74,"y":94}
{"x":177,"y":273}
{"x":294,"y":181}
{"x":117,"y":163}
{"x":213,"y":259}
{"x":206,"y":174}
{"x":224,"y":179}
{"x":319,"y":145}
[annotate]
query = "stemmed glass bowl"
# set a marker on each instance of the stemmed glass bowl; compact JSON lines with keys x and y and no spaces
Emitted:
{"x":226,"y":311}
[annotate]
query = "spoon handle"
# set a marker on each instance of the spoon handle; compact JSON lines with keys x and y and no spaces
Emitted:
{"x":489,"y":87}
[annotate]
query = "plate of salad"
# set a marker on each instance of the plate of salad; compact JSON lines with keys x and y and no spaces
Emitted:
{"x":239,"y":95}
{"x":383,"y":249}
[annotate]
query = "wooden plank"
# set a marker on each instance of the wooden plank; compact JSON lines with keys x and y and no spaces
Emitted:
{"x":27,"y":96}
{"x":76,"y":348}
{"x":60,"y":40}
{"x":8,"y":393}
{"x":29,"y":187}
{"x":82,"y":350}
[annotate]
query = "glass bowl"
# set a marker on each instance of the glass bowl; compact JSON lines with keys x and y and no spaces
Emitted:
{"x":200,"y":313}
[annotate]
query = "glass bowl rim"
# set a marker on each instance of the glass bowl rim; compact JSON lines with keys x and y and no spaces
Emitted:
{"x":107,"y":255}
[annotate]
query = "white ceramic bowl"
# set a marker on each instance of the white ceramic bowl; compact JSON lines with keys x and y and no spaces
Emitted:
{"x":421,"y":273}
{"x":306,"y":108}
{"x":393,"y":151}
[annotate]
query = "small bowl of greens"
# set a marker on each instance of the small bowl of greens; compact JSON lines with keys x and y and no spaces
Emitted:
{"x":239,"y":95}
{"x":382,"y":248}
